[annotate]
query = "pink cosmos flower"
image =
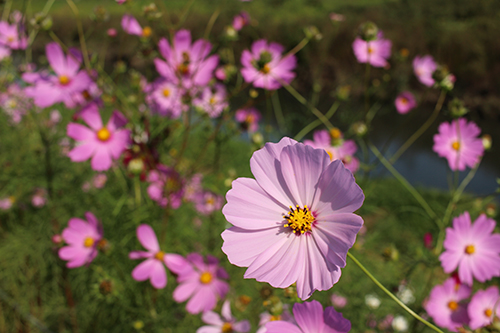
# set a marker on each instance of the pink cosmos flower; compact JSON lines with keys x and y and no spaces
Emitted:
{"x":458,"y":142}
{"x":121,"y":2}
{"x":265,"y":67}
{"x":293,"y":223}
{"x":311,"y":318}
{"x":193,"y":187}
{"x":83,"y":238}
{"x":6,"y":203}
{"x":188,"y":65}
{"x":472,"y":248}
{"x":248,"y":119}
{"x":166,"y":186}
{"x":131,"y":26}
{"x":99,"y":180}
{"x":49,"y":89}
{"x":199,"y":281}
{"x":447,"y":305}
{"x":111,"y":32}
{"x":483,"y":307}
{"x":14,"y":103}
{"x":343,"y":150}
{"x":241,"y":20}
{"x":164,"y":98}
{"x":11,"y":36}
{"x":102,"y":143}
{"x":5,"y":52}
{"x":266,"y":317}
{"x":207,"y":202}
{"x":338,"y":301}
{"x":405,"y":102}
{"x":39,"y":199}
{"x":152,"y":268}
{"x":424,"y":67}
{"x":212,"y":100}
{"x":375,"y":52}
{"x":224,"y":324}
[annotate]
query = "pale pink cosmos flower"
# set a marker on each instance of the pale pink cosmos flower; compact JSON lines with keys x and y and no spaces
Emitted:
{"x":83,"y":238}
{"x":14,"y":103}
{"x":213,"y":100}
{"x":265,"y":67}
{"x":153,"y":267}
{"x":193,"y":187}
{"x":266,"y":317}
{"x":483,"y":307}
{"x":405,"y":102}
{"x":447,"y":304}
{"x":311,"y":318}
{"x":186,"y":64}
{"x":241,"y":20}
{"x":472,"y":248}
{"x":207,"y":202}
{"x":99,"y":142}
{"x":458,"y":142}
{"x":164,"y":98}
{"x":375,"y":52}
{"x":424,"y":67}
{"x":199,"y":281}
{"x":12,"y":36}
{"x":338,"y":301}
{"x":344,"y":150}
{"x":69,"y":79}
{"x":5,"y":52}
{"x":132,"y":26}
{"x":6,"y":203}
{"x":294,"y":222}
{"x":248,"y":118}
{"x":99,"y":180}
{"x":167,"y":186}
{"x":224,"y":324}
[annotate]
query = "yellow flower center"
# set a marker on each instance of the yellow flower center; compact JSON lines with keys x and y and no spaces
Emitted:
{"x":370,"y":50}
{"x":183,"y":69}
{"x":160,"y":255}
{"x":10,"y":39}
{"x":147,"y":31}
{"x":335,"y":133}
{"x":205,"y":277}
{"x":212,"y":100}
{"x":103,"y":134}
{"x":452,"y":305}
{"x":64,"y":80}
{"x":210,"y":201}
{"x":275,"y":318}
{"x":300,"y":220}
{"x":166,"y":92}
{"x":455,"y":145}
{"x":329,"y":154}
{"x":488,"y":312}
{"x":266,"y":69}
{"x":404,"y":100}
{"x":249,"y":119}
{"x":469,"y":249}
{"x":227,"y":328}
{"x":88,"y":242}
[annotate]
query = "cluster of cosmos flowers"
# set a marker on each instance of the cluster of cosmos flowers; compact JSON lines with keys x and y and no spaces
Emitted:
{"x":292,"y":224}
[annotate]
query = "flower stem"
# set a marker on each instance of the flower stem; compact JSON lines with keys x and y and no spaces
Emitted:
{"x":391,"y":295}
{"x":421,"y":130}
{"x":79,"y":25}
{"x":317,"y":122}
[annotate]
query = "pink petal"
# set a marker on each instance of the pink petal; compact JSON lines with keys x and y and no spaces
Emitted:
{"x":147,"y":237}
{"x":83,"y":152}
{"x":101,"y":160}
{"x":211,"y":318}
{"x":80,"y":132}
{"x":158,"y":275}
{"x":185,"y":290}
{"x":202,"y":300}
{"x":56,"y":58}
{"x":139,"y":255}
{"x":92,"y":117}
{"x":281,"y":327}
{"x":144,"y":270}
{"x":309,"y":316}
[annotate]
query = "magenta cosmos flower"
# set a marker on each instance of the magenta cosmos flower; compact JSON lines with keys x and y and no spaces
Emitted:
{"x":186,"y":64}
{"x":213,"y":100}
{"x":12,"y":37}
{"x":424,"y":67}
{"x":483,"y":307}
{"x":265,"y":67}
{"x":375,"y":52}
{"x":311,"y":318}
{"x":83,"y":238}
{"x":405,"y":102}
{"x":294,"y":222}
{"x":131,"y":26}
{"x":164,"y":98}
{"x":199,"y":281}
{"x":152,"y":268}
{"x":248,"y":118}
{"x":472,"y":248}
{"x":167,"y":186}
{"x":102,"y":143}
{"x":447,"y":304}
{"x":207,"y":202}
{"x":226,"y":323}
{"x":458,"y":142}
{"x":342,"y":150}
{"x":241,"y":20}
{"x":69,"y":79}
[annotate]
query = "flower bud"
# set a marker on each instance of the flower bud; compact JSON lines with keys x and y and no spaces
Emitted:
{"x":368,"y":31}
{"x":359,"y":128}
{"x":313,"y":32}
{"x":486,"y":141}
{"x":457,"y":108}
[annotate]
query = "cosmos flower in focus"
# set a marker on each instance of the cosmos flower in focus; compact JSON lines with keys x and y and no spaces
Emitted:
{"x":472,"y":248}
{"x":83,"y":238}
{"x":423,"y":68}
{"x":294,"y":222}
{"x":226,"y":323}
{"x":203,"y":283}
{"x":375,"y":52}
{"x":458,"y":142}
{"x":311,"y":318}
{"x":99,"y":142}
{"x":447,"y":304}
{"x":405,"y":102}
{"x":265,"y":67}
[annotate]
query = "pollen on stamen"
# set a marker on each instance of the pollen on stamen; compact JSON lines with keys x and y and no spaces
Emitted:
{"x":300,"y":220}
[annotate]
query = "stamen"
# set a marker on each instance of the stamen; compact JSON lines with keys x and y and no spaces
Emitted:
{"x":205,"y":277}
{"x":64,"y":80}
{"x":404,"y":100}
{"x":147,"y":31}
{"x":160,"y":255}
{"x":452,"y":305}
{"x":166,"y":92}
{"x":469,"y":249}
{"x":335,"y":133}
{"x":265,"y":69}
{"x":227,"y":328}
{"x":88,"y":242}
{"x":300,"y":220}
{"x":275,"y":318}
{"x":370,"y":50}
{"x":103,"y":134}
{"x":455,"y":145}
{"x":488,"y":312}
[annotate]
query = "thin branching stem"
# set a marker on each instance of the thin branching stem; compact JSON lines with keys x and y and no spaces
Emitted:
{"x":317,"y":122}
{"x":81,"y":34}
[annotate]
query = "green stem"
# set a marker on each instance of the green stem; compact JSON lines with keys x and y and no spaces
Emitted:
{"x":421,"y":130}
{"x":81,"y":34}
{"x":367,"y":82}
{"x":211,"y":23}
{"x":297,"y":47}
{"x":405,"y":183}
{"x":137,"y":189}
{"x":278,"y":113}
{"x":391,"y":295}
{"x":6,"y":10}
{"x":317,"y":122}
